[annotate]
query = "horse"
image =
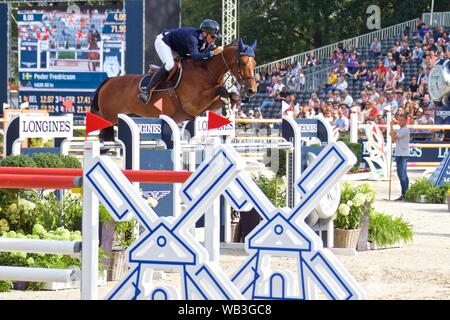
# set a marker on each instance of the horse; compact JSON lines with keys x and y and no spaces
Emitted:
{"x":199,"y":89}
{"x":93,"y":56}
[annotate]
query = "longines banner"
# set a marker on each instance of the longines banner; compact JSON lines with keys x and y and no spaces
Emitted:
{"x":32,"y":126}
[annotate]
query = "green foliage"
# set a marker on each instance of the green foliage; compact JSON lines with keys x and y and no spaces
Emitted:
{"x":356,"y":148}
{"x":124,"y":232}
{"x":307,"y":24}
{"x":48,"y":160}
{"x":71,"y":162}
{"x":355,"y":202}
{"x":6,"y":285}
{"x":39,"y":142}
{"x":40,"y":260}
{"x":17,"y":161}
{"x":274,"y":189}
{"x":385,"y":230}
{"x":434,"y":194}
{"x":22,"y":213}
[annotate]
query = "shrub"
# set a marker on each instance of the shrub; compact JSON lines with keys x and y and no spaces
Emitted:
{"x":273,"y":188}
{"x":48,"y":160}
{"x":385,"y":230}
{"x":71,"y":162}
{"x":17,"y":161}
{"x":434,"y":194}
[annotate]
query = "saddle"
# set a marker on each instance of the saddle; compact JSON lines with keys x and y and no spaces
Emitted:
{"x":172,"y":80}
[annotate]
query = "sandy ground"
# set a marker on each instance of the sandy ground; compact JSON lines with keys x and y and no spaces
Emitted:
{"x":419,"y":270}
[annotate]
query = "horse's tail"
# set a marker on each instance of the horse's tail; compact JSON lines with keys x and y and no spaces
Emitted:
{"x":106,"y":134}
{"x":95,"y":108}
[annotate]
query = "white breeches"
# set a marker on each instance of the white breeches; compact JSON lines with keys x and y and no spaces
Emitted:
{"x":164,"y":52}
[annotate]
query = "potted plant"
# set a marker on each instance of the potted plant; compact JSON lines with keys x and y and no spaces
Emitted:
{"x":386,"y":231}
{"x":352,"y":215}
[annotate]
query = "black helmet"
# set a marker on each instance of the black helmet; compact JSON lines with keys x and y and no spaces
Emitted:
{"x":211,"y":26}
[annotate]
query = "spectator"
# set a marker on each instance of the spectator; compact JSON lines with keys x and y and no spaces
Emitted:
{"x":423,"y":88}
{"x":279,"y":84}
{"x":264,"y":74}
{"x":331,"y":81}
{"x":405,"y":53}
{"x":329,"y":117}
{"x":399,"y":97}
{"x":352,"y":64}
{"x":370,"y":113}
{"x":426,"y":102}
{"x":341,"y":83}
{"x":361,"y":72}
{"x":369,"y":79}
{"x":390,"y":82}
{"x":417,"y":54}
{"x":413,"y":86}
{"x":336,"y":97}
{"x":420,"y":75}
{"x":399,"y":76}
{"x":341,"y":69}
{"x":392,"y":103}
{"x":397,"y":45}
{"x":396,"y":55}
{"x":389,"y":61}
{"x":342,"y":123}
{"x":347,"y":99}
{"x":381,"y":121}
{"x":299,"y":80}
{"x":310,"y":60}
{"x":422,"y":29}
{"x":314,"y":101}
{"x":375,"y":47}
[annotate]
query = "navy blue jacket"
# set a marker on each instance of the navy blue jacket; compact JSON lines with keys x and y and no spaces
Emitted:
{"x":188,"y":42}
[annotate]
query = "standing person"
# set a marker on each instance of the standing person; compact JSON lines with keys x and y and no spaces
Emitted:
{"x":401,"y":138}
{"x":93,"y":37}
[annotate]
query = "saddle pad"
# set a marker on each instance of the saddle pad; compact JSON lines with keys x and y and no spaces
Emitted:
{"x":171,"y":83}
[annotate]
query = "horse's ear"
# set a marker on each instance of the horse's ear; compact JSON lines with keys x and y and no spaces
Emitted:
{"x":241,"y":45}
{"x":253,"y":45}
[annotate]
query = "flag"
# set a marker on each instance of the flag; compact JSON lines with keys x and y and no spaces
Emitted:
{"x":216,"y":121}
{"x":159,"y":105}
{"x":94,"y":123}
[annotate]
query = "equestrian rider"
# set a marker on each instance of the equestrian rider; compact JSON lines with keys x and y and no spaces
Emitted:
{"x":197,"y":44}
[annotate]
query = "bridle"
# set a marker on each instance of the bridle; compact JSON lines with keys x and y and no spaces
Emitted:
{"x":240,"y":77}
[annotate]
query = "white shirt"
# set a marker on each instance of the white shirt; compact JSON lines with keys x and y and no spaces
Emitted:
{"x":348,"y":101}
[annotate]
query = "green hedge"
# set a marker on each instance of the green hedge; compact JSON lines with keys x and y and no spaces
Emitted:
{"x":356,"y":148}
{"x":41,"y":160}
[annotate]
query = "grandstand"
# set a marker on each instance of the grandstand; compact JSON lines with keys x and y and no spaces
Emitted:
{"x":316,"y":76}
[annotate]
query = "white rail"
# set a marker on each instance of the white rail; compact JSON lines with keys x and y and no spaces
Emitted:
{"x":39,"y":246}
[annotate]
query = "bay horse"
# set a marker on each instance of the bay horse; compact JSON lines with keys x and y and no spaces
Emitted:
{"x":199,"y":89}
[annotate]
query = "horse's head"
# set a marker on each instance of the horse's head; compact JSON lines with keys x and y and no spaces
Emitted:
{"x":243,"y":70}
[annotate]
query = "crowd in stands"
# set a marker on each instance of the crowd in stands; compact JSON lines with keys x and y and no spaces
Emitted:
{"x":353,"y":83}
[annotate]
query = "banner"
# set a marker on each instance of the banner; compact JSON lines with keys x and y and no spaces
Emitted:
{"x":39,"y":126}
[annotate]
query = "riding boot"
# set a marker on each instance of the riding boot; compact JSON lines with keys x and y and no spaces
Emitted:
{"x":154,"y":81}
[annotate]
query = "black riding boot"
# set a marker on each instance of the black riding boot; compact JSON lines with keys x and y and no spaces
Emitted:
{"x":154,"y":81}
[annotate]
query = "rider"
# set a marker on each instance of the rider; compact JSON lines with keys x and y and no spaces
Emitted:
{"x":187,"y":42}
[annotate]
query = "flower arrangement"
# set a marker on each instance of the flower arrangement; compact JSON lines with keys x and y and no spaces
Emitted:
{"x":355,"y":202}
